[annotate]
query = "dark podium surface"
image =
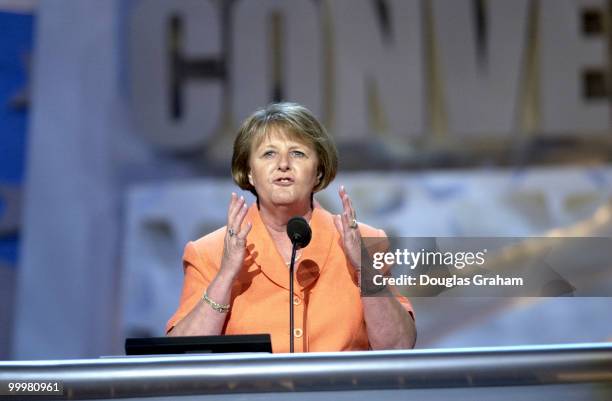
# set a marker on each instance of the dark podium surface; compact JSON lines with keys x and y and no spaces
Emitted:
{"x":568,"y":372}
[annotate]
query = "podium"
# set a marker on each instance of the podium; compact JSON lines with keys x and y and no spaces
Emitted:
{"x":568,"y":372}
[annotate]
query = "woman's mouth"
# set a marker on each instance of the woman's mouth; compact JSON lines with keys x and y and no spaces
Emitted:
{"x":283,"y":181}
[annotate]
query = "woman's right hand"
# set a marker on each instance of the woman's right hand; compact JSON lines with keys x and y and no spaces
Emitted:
{"x":203,"y":320}
{"x":234,"y":248}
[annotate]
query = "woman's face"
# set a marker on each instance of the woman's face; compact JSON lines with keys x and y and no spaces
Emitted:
{"x":283,"y":170}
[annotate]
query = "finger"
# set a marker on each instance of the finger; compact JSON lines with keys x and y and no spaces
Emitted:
{"x":231,"y":221}
{"x":245,"y":230}
{"x":351,"y":209}
{"x":347,"y":206}
{"x":338,"y":224}
{"x":342,"y":193}
{"x":237,"y":223}
{"x":345,"y":203}
{"x":345,"y":221}
{"x":232,"y":206}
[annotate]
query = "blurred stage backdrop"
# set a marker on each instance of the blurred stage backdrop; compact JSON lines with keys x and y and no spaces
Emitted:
{"x":452,"y":117}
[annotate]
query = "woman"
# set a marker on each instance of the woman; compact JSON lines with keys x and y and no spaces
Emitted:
{"x":236,"y":278}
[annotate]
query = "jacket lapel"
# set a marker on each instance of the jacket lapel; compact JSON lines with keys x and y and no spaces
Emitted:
{"x":315,"y":255}
{"x":263,"y":252}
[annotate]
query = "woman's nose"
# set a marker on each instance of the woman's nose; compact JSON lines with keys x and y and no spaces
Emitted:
{"x":283,"y":162}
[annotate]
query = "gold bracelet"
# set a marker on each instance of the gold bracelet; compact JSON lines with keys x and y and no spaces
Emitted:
{"x":218,"y":307}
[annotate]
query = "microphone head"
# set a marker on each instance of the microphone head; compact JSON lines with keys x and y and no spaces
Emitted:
{"x":299,"y":231}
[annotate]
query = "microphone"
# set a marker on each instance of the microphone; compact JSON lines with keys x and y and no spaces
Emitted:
{"x":299,"y":231}
{"x":300,"y":234}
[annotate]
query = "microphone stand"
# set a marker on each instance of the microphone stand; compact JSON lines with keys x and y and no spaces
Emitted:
{"x":291,"y":319}
{"x":300,"y":234}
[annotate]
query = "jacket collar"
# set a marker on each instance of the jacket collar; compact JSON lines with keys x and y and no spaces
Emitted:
{"x":314,"y":256}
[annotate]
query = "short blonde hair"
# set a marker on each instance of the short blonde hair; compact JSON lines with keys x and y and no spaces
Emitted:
{"x":294,"y":120}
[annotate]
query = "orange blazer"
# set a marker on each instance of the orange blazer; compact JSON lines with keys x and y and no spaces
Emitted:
{"x":328,"y":310}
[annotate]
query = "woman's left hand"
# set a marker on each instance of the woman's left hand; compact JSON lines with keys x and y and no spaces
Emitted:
{"x":346,"y":223}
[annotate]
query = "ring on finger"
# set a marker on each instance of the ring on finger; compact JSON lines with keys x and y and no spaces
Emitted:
{"x":231,"y":232}
{"x":353,"y":224}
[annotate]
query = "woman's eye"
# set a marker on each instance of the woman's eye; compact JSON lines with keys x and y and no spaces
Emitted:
{"x":298,"y":153}
{"x":268,"y":154}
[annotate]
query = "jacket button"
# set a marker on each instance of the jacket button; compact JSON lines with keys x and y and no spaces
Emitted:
{"x":296,"y":301}
{"x":298,"y":333}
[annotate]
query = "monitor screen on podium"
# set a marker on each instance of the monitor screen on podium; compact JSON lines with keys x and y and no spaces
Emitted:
{"x":199,"y":344}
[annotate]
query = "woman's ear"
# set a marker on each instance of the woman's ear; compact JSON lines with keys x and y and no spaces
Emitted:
{"x":250,"y":176}
{"x":319,"y":177}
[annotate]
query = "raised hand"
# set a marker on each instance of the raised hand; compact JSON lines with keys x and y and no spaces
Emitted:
{"x":346,"y":224}
{"x":234,"y":248}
